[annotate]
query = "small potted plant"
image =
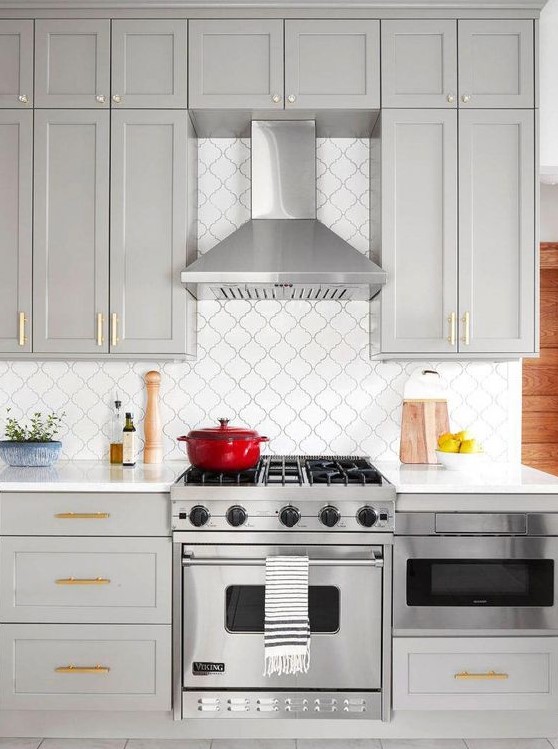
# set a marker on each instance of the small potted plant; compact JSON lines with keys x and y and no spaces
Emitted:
{"x":32,"y":444}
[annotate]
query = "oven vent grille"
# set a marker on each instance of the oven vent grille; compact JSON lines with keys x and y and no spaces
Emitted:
{"x":252,"y":292}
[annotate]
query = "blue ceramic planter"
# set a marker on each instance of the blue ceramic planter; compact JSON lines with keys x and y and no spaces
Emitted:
{"x":30,"y":453}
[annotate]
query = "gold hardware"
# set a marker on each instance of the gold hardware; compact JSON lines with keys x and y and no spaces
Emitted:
{"x":450,"y":98}
{"x":465,"y":98}
{"x":82,"y":581}
{"x":100,"y":337}
{"x":22,"y":340}
{"x":114,"y":329}
{"x":23,"y":98}
{"x":100,"y":98}
{"x":276,"y":98}
{"x":116,"y":98}
{"x":291,"y":98}
{"x":488,"y":676}
{"x":452,"y":321}
{"x":466,"y":320}
{"x":71,"y":669}
{"x":82,"y":515}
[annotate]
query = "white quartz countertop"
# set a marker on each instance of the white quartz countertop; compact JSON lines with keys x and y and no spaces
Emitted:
{"x":92,"y":476}
{"x":491,"y":487}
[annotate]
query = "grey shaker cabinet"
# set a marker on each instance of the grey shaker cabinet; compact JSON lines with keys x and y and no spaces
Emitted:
{"x":497,"y":231}
{"x":72,"y":63}
{"x":71,"y":231}
{"x":236,"y":64}
{"x":332,"y":64}
{"x":419,"y":63}
{"x":16,"y":196}
{"x":496,"y":63}
{"x":151,"y":231}
{"x":419,"y":230}
{"x":16,"y":64}
{"x":149,"y":64}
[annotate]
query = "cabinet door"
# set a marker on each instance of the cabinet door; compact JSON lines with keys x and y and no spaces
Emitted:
{"x":496,"y":64}
{"x":16,"y":201}
{"x":419,"y":63}
{"x":497,"y":231}
{"x":16,"y":64}
{"x":149,"y":231}
{"x":332,"y":64}
{"x":70,"y":261}
{"x":72,"y":63}
{"x":419,"y":230}
{"x":149,"y":64}
{"x":236,"y":64}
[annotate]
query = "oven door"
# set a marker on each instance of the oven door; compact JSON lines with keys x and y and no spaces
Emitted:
{"x":464,"y":583}
{"x":223,"y":617}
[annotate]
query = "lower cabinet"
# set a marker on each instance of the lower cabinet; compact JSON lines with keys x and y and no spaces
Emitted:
{"x":85,"y":667}
{"x":475,"y":673}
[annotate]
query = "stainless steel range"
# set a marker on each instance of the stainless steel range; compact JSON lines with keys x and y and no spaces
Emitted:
{"x":337,"y":510}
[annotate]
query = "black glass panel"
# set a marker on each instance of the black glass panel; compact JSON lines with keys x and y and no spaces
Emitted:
{"x":245,"y":606}
{"x":480,"y":582}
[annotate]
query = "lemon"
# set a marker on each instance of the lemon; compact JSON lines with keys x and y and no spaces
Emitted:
{"x":470,"y":446}
{"x":463,"y":436}
{"x":444,"y":438}
{"x":450,"y":446}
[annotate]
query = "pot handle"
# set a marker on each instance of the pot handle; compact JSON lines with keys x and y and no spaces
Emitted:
{"x":264,"y":439}
{"x":184,"y":438}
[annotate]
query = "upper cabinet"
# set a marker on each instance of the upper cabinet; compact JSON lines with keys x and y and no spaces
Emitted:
{"x":149,"y":64}
{"x":16,"y":201}
{"x":332,"y":64}
{"x":16,"y":64}
{"x":236,"y":64}
{"x":423,"y":60}
{"x":419,"y":63}
{"x":72,"y":63}
{"x":496,"y":64}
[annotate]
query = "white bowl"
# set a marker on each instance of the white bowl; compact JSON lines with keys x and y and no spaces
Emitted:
{"x":460,"y":461}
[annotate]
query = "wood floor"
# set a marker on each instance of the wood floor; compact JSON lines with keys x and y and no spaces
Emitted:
{"x":540,"y":376}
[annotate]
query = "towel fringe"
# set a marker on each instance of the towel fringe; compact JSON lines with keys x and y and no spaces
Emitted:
{"x":287,"y":664}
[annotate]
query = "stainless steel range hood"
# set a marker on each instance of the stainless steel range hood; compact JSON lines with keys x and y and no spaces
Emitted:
{"x":283,"y":252}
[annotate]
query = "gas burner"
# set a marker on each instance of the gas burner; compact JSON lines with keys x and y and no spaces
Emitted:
{"x":342,"y":471}
{"x":197,"y":477}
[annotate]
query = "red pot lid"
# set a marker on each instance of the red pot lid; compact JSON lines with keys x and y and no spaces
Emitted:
{"x":224,"y":432}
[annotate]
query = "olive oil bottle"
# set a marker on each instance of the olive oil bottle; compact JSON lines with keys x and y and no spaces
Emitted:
{"x":129,"y":450}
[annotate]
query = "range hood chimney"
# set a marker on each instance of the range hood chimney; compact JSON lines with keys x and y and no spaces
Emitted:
{"x":283,"y":252}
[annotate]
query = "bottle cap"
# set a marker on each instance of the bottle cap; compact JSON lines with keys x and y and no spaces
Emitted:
{"x":118,"y":404}
{"x":129,"y":416}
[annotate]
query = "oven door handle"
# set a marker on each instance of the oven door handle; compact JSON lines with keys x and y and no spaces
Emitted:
{"x":216,"y":561}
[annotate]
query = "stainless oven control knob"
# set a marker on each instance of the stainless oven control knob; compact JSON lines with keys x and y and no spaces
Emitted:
{"x":330,"y":516}
{"x":367,"y":517}
{"x":289,"y":516}
{"x":199,"y":516}
{"x":236,"y":516}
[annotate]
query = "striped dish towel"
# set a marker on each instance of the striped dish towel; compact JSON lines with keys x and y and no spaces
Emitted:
{"x":287,"y":627}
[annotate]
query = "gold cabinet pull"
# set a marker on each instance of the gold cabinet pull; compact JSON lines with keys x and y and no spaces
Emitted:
{"x":22,"y":340}
{"x":487,"y":676}
{"x":71,"y":669}
{"x":452,"y":321}
{"x":82,"y":515}
{"x":114,"y":329}
{"x":100,"y":337}
{"x":83,"y":581}
{"x":466,"y":320}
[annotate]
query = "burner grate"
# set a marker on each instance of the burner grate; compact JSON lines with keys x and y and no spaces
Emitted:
{"x":197,"y":477}
{"x":345,"y":471}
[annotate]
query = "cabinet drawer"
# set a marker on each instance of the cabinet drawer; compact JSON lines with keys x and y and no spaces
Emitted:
{"x":105,"y":580}
{"x":69,"y":667}
{"x":84,"y":514}
{"x":495,"y":673}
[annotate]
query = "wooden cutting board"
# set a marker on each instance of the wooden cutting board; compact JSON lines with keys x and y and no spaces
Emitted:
{"x":422,"y":422}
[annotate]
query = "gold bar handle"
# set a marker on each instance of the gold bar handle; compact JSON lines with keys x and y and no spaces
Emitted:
{"x":82,"y":515}
{"x":83,"y":581}
{"x":71,"y":669}
{"x":22,"y":340}
{"x":114,"y":329}
{"x":466,"y":320}
{"x":452,"y":321}
{"x":100,"y":337}
{"x":488,"y":676}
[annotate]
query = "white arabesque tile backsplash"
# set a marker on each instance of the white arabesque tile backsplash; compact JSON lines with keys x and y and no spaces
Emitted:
{"x":298,"y":372}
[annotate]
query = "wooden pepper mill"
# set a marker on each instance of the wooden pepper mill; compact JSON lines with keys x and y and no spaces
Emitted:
{"x":153,"y":447}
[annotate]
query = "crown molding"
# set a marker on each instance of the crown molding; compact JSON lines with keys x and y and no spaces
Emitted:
{"x":200,"y":5}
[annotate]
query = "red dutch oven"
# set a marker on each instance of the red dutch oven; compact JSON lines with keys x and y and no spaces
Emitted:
{"x":223,"y":449}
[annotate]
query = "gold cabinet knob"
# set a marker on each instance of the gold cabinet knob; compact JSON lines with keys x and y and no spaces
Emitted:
{"x":116,"y":98}
{"x":276,"y":98}
{"x":23,"y":98}
{"x":101,"y":98}
{"x":291,"y":98}
{"x":450,"y":98}
{"x":466,"y":98}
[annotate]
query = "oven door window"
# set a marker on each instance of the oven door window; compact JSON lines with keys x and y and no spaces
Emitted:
{"x":480,"y":582}
{"x":245,"y":606}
